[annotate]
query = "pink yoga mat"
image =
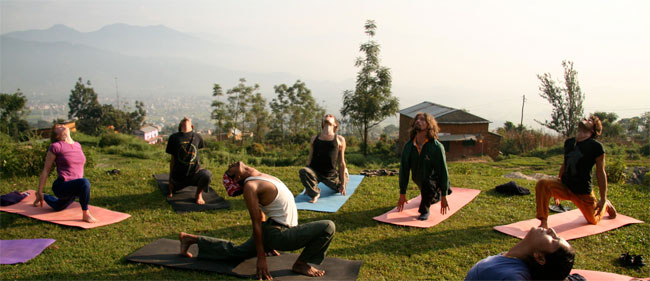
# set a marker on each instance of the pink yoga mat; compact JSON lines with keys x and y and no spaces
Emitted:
{"x":568,"y":225}
{"x":408,"y":217}
{"x":71,"y":216}
{"x":604,"y":276}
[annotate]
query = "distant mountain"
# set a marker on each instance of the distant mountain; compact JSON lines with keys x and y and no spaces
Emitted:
{"x":148,"y":61}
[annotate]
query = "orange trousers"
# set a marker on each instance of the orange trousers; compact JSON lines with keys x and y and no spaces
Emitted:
{"x":547,"y":188}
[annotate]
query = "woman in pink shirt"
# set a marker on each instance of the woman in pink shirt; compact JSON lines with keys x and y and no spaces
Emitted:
{"x":69,"y":160}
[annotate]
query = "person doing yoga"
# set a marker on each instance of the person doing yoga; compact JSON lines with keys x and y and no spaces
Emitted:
{"x":266,"y":196}
{"x":70,"y":183}
{"x":574,"y":179}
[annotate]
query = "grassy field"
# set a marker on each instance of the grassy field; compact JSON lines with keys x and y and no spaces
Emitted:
{"x":445,"y":251}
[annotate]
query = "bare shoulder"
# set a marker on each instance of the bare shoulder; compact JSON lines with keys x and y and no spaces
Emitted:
{"x":341,"y":139}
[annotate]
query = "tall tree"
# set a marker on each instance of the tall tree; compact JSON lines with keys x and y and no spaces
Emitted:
{"x":611,"y":129}
{"x":84,"y":106}
{"x":258,"y":116}
{"x":566,"y":102}
{"x":238,"y":99}
{"x":12,"y":112}
{"x":219,"y":112}
{"x":371,"y":102}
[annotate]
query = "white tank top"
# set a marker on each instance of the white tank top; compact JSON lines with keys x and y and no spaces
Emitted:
{"x":283,"y":208}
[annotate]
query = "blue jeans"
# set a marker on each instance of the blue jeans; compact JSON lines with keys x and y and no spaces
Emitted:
{"x":67,"y":191}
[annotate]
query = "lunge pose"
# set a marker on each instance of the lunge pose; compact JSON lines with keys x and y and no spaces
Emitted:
{"x":266,"y":196}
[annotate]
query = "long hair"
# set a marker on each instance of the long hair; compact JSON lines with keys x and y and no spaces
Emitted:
{"x":432,"y":126}
{"x":54,"y":137}
{"x":598,"y":126}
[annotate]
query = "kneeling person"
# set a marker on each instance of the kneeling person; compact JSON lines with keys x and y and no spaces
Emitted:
{"x":266,"y":195}
{"x":184,"y":167}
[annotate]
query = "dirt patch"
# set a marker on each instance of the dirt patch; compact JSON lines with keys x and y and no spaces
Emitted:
{"x":533,"y":177}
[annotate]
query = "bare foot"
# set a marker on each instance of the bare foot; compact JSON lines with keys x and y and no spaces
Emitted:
{"x":199,"y":199}
{"x":272,"y":253}
{"x":306,"y":269}
{"x":315,"y":199}
{"x":170,"y":195}
{"x":544,"y":224}
{"x":87,"y":217}
{"x":185,"y":244}
{"x":611,"y":210}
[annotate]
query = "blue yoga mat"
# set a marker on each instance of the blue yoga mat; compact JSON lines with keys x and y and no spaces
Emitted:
{"x":329,"y":200}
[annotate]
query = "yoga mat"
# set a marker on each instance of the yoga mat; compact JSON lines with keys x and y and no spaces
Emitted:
{"x":568,"y":225}
{"x":184,"y":200}
{"x":409,"y":216}
{"x":591,"y":275}
{"x":22,"y":250}
{"x":70,"y":216}
{"x":166,"y":252}
{"x":330,"y":201}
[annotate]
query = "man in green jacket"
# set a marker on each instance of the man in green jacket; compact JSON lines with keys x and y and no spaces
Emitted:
{"x":424,"y":157}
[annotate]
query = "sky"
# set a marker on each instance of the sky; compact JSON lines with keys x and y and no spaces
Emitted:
{"x":482,"y":56}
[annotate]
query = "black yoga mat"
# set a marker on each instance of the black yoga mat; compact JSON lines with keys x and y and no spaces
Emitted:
{"x":166,"y":252}
{"x":184,"y":200}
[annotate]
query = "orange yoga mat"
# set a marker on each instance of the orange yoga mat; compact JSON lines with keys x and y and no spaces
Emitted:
{"x":568,"y":225}
{"x":71,"y":216}
{"x":408,"y":217}
{"x":605,"y":276}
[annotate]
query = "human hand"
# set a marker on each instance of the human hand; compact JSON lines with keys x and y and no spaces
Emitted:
{"x":38,"y":202}
{"x":444,"y":205}
{"x":342,"y":190}
{"x":263,"y":269}
{"x":557,"y":201}
{"x":600,"y":206}
{"x":400,"y":203}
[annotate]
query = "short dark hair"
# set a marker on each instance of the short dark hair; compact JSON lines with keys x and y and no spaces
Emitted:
{"x":557,"y":267}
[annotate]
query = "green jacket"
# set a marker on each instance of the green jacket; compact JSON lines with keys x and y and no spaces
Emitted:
{"x":429,"y":167}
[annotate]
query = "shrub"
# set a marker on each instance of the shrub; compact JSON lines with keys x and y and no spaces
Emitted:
{"x":255,"y":149}
{"x":645,"y":150}
{"x":21,"y":158}
{"x":646,"y":179}
{"x":111,"y":139}
{"x":616,"y":170}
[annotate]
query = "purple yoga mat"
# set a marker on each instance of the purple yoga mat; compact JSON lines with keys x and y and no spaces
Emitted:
{"x":22,"y":250}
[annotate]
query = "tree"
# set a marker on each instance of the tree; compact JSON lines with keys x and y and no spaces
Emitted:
{"x":645,"y":122}
{"x":296,"y":114}
{"x":219,"y":113}
{"x":12,"y":112}
{"x":390,"y":130}
{"x":258,"y":116}
{"x":371,"y":102}
{"x":238,"y":99}
{"x":566,"y":102}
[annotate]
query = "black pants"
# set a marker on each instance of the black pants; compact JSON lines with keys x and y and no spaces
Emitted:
{"x":200,"y":179}
{"x":430,"y":195}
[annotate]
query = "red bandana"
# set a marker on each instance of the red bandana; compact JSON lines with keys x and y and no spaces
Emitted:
{"x":232,"y":187}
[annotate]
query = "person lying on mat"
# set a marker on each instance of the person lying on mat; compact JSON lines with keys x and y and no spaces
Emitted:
{"x":574,"y":180}
{"x":326,"y":155}
{"x":70,"y":183}
{"x":541,"y":255}
{"x":424,"y":157}
{"x":266,"y":195}
{"x":184,"y":167}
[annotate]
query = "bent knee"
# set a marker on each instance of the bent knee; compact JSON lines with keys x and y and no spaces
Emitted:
{"x":543,"y":184}
{"x":85,"y":183}
{"x":330,"y":227}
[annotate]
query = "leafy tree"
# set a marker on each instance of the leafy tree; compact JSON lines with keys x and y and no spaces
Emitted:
{"x":238,"y":99}
{"x":258,"y":116}
{"x":566,"y":102}
{"x":92,"y":116}
{"x":371,"y":102}
{"x":645,"y":121}
{"x":296,"y":114}
{"x":390,"y":130}
{"x":12,"y":111}
{"x":219,"y":113}
{"x":611,"y":129}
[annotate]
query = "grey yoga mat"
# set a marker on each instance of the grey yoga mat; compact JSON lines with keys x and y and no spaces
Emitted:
{"x":184,"y":201}
{"x":166,"y":252}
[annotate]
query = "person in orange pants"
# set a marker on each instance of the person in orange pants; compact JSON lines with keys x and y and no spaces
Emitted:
{"x":574,"y":183}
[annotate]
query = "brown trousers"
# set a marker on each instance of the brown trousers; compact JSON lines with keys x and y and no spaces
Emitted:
{"x":547,"y":188}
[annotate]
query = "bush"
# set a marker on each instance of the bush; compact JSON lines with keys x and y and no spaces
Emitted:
{"x":255,"y":149}
{"x":645,"y":150}
{"x":616,"y":170}
{"x":112,"y":139}
{"x":21,"y":158}
{"x":646,"y":179}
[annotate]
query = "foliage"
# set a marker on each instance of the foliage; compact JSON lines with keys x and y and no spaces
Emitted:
{"x":646,"y":179}
{"x":93,"y":117}
{"x":295,"y":113}
{"x":645,"y":150}
{"x":611,"y":129}
{"x":245,"y":110}
{"x":21,"y":158}
{"x":258,"y":116}
{"x":255,"y":149}
{"x":12,"y":112}
{"x":519,"y":140}
{"x":615,"y":170}
{"x":128,"y":146}
{"x":371,"y":102}
{"x":566,"y":102}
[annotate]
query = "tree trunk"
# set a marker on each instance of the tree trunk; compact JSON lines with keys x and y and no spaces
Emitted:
{"x":365,"y":139}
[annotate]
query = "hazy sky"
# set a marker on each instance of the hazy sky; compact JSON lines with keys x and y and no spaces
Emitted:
{"x":477,"y":55}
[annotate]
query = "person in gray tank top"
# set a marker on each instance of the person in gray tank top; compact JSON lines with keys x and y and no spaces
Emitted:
{"x":326,"y":162}
{"x":266,"y":196}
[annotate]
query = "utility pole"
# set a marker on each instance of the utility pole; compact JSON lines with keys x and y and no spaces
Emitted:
{"x":521,"y":121}
{"x":117,"y":94}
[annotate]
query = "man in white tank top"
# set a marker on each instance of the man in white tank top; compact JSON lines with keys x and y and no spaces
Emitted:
{"x":266,"y":196}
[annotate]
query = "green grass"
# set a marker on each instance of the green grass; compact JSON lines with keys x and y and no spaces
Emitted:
{"x":445,"y":251}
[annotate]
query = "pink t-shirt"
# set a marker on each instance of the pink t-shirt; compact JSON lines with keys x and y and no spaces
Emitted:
{"x":70,"y":160}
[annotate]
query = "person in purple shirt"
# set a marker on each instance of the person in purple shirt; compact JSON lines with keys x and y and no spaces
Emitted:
{"x":541,"y":255}
{"x":70,"y":183}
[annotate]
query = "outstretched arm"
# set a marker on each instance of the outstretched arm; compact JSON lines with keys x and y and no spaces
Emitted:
{"x":252,"y":202}
{"x":442,"y":175}
{"x":342,"y":166}
{"x":49,"y":162}
{"x":601,"y":176}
